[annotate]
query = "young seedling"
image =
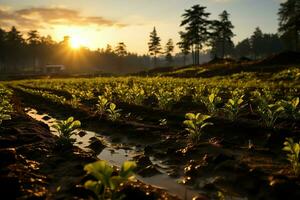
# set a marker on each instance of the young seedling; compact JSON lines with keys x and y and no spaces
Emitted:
{"x":113,"y":113}
{"x":5,"y":110}
{"x":291,"y":109}
{"x":195,"y":124}
{"x":211,"y":102}
{"x":101,"y":105}
{"x":106,"y":185}
{"x":66,"y":128}
{"x":234,"y":106}
{"x":270,"y":113}
{"x":165,"y":99}
{"x":293,"y":149}
{"x":74,"y":101}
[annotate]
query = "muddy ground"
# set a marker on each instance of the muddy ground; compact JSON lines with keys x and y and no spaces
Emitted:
{"x":34,"y":167}
{"x":240,"y":160}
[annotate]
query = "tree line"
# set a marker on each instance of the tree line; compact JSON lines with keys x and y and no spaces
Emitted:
{"x":202,"y":32}
{"x":200,"y":36}
{"x":32,"y":52}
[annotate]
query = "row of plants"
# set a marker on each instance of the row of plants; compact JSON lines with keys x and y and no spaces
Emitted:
{"x":231,"y":103}
{"x":6,"y":107}
{"x":136,"y":90}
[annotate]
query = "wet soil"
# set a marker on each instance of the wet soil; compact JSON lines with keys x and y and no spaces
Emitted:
{"x":33,"y":167}
{"x":242,"y":160}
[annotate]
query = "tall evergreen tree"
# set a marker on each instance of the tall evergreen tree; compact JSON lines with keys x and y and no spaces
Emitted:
{"x":196,"y":23}
{"x":243,"y":48}
{"x":154,"y":45}
{"x":222,"y":35}
{"x":184,"y":46}
{"x":120,"y":49}
{"x":34,"y":41}
{"x":289,"y":21}
{"x":257,"y":42}
{"x":15,"y":50}
{"x":169,"y":50}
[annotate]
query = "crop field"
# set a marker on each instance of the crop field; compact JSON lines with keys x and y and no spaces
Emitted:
{"x":231,"y":137}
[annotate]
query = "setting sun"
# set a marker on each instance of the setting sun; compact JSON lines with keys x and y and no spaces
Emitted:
{"x":77,"y":42}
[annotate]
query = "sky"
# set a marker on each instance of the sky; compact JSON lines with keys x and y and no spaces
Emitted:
{"x":96,"y":23}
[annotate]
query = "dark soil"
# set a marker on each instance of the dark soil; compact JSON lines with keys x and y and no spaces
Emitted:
{"x":33,"y":167}
{"x":222,"y":160}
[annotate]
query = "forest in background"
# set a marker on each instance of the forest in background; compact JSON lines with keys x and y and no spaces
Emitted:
{"x":202,"y":39}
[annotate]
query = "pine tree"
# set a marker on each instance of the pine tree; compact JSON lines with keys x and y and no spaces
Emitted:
{"x":154,"y":45}
{"x":196,"y":23}
{"x":184,"y":46}
{"x":120,"y":49}
{"x":289,"y":21}
{"x":34,"y":43}
{"x":257,"y":42}
{"x":169,"y":50}
{"x":222,"y":35}
{"x":243,"y":48}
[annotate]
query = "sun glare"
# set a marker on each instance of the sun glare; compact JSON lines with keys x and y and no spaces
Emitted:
{"x":77,"y":42}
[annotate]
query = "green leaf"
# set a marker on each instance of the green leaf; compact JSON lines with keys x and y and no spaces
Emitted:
{"x":206,"y":124}
{"x":190,"y":116}
{"x":69,"y":120}
{"x":93,"y":186}
{"x":286,"y":148}
{"x":211,"y":98}
{"x":127,"y":169}
{"x":112,"y":106}
{"x":295,"y":102}
{"x":240,"y":101}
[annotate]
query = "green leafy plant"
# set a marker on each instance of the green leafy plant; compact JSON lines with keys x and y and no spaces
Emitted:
{"x":165,"y":99}
{"x":211,"y":102}
{"x":195,"y":124}
{"x":270,"y":113}
{"x":6,"y":107}
{"x":293,"y":149}
{"x":5,"y":110}
{"x":234,"y":106}
{"x":101,"y":105}
{"x":291,"y":109}
{"x":106,"y":184}
{"x":74,"y":101}
{"x":113,"y":113}
{"x":66,"y":128}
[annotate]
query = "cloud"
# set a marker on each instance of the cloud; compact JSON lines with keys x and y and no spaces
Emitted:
{"x":40,"y":17}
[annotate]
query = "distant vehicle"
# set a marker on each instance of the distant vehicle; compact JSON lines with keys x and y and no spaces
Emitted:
{"x":54,"y":69}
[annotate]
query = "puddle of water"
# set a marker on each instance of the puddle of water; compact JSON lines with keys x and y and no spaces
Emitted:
{"x":116,"y":156}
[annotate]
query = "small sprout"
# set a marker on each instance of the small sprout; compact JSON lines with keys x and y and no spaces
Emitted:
{"x":107,"y":184}
{"x":66,"y":128}
{"x":293,"y":149}
{"x":195,"y":124}
{"x":291,"y":108}
{"x":74,"y":101}
{"x":270,"y":113}
{"x":113,"y":113}
{"x":234,"y":105}
{"x":101,"y":105}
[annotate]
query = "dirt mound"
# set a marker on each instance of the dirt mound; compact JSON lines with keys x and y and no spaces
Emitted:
{"x":284,"y":58}
{"x":221,"y":61}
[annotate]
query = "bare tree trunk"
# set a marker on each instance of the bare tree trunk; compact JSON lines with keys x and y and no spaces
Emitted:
{"x":193,"y":55}
{"x":223,"y":49}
